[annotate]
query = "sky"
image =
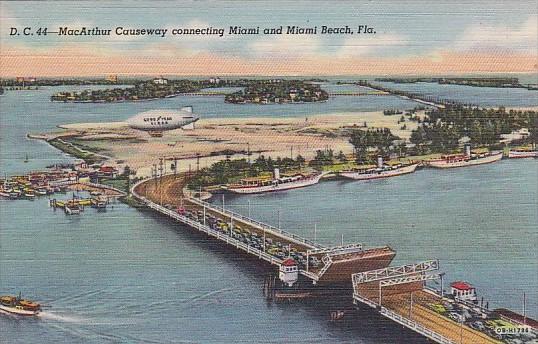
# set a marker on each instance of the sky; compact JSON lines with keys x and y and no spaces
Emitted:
{"x":412,"y":38}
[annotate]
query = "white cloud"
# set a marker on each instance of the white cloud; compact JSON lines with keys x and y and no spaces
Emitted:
{"x":522,"y":38}
{"x":358,"y":45}
{"x":286,"y":45}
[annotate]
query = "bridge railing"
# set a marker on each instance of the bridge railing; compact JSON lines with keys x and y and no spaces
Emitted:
{"x":413,"y":325}
{"x":258,"y":223}
{"x":204,"y":228}
{"x":226,"y":237}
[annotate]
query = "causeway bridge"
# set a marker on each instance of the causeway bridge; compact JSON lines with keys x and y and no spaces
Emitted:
{"x":398,"y":293}
{"x":315,"y":262}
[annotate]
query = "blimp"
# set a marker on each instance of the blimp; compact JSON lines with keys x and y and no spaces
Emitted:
{"x":156,"y":121}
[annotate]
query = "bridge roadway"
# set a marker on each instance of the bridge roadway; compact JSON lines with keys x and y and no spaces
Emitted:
{"x":400,"y":294}
{"x":165,"y":195}
{"x":421,"y":314}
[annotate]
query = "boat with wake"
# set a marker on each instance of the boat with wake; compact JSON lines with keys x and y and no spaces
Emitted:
{"x":277,"y":183}
{"x":381,"y":171}
{"x":19,"y":306}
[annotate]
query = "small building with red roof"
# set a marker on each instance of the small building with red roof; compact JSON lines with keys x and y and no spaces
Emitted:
{"x":288,"y":271}
{"x":108,"y":171}
{"x":463,"y":291}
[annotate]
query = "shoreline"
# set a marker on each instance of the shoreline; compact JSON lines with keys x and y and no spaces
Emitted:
{"x":216,"y":138}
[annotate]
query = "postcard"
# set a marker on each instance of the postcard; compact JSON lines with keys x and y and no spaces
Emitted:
{"x":268,"y":172}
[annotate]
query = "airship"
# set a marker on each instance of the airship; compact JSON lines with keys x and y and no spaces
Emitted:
{"x":157,"y":121}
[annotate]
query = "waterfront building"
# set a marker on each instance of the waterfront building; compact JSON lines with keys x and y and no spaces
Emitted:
{"x":463,"y":291}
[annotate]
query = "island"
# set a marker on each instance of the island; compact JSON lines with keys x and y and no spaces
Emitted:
{"x":142,"y":90}
{"x":255,"y":91}
{"x":278,"y":92}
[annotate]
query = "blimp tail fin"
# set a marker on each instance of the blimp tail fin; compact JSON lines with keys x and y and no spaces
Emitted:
{"x":187,"y":109}
{"x":189,"y":126}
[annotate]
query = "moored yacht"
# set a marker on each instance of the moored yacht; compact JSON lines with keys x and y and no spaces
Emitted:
{"x":381,"y":171}
{"x":277,"y":183}
{"x":466,"y":159}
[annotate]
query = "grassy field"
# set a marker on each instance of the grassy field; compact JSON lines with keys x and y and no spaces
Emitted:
{"x":73,"y":150}
{"x":120,"y":183}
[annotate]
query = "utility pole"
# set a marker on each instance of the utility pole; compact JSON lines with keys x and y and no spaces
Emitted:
{"x":222,"y":202}
{"x":380,"y":294}
{"x":342,"y":240}
{"x":161,"y":180}
{"x":442,"y":285}
{"x":461,"y":329}
{"x":411,"y":307}
{"x":197,"y":162}
{"x":524,"y":309}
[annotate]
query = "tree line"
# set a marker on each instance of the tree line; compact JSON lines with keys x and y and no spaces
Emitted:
{"x":443,"y":128}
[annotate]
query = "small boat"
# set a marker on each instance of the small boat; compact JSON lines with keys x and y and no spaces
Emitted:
{"x":19,"y":306}
{"x":41,"y":192}
{"x":381,"y":171}
{"x":29,"y":195}
{"x":72,"y":208}
{"x":99,"y":202}
{"x":519,"y":153}
{"x":26,"y":158}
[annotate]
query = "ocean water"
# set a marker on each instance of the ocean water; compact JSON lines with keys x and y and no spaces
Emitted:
{"x":130,"y":276}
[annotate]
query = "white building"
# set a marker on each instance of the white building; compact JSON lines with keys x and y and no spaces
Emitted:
{"x":160,"y":81}
{"x":288,"y":272}
{"x":463,"y":291}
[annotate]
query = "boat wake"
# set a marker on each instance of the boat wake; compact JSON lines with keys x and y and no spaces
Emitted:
{"x":62,"y":318}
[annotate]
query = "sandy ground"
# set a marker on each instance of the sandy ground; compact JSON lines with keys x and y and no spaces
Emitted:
{"x":262,"y":135}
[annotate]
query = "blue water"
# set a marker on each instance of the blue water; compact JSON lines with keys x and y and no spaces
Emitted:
{"x":129,"y":276}
{"x":481,"y":222}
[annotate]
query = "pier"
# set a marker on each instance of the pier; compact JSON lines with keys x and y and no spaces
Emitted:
{"x":315,"y":262}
